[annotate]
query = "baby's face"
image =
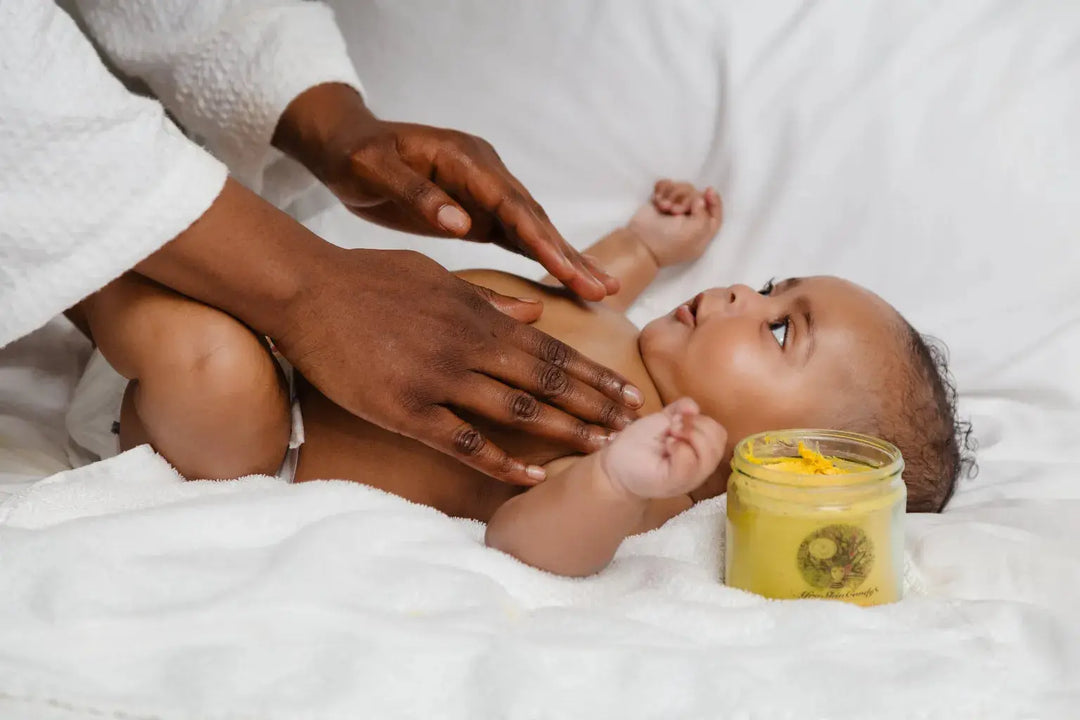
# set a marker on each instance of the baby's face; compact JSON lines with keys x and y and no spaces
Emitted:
{"x":809,"y":352}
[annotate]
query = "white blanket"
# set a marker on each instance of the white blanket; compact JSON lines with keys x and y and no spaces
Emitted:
{"x":130,"y":593}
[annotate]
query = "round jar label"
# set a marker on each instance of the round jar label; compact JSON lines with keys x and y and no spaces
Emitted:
{"x":836,"y":559}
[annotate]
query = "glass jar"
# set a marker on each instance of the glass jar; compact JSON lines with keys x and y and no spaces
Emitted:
{"x":794,"y":534}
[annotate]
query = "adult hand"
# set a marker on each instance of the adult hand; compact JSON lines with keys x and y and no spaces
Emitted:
{"x":427,"y":180}
{"x":393,"y":337}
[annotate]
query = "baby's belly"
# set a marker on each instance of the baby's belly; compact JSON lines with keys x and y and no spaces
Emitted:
{"x":341,"y":446}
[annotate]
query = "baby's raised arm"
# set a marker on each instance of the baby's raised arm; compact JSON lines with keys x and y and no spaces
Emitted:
{"x":674,"y":227}
{"x":573,"y":522}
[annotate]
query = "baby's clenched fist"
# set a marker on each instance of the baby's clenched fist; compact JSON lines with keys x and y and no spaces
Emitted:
{"x":678,"y":222}
{"x":665,"y":454}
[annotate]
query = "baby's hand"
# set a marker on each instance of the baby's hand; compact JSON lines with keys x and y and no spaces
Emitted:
{"x":678,"y":222}
{"x":667,"y":453}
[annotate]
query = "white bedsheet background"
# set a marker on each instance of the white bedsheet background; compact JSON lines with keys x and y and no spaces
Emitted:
{"x":926,"y":150}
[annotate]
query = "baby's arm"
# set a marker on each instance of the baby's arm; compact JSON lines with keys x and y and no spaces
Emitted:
{"x":572,"y":523}
{"x":675,"y":226}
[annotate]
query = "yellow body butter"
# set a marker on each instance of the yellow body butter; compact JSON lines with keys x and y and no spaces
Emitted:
{"x":816,"y":514}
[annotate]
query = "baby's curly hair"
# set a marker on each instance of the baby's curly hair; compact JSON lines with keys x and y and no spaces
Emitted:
{"x":937,"y":446}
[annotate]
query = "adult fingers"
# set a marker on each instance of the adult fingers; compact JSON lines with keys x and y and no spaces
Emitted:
{"x":537,"y":238}
{"x":556,"y":386}
{"x":510,"y":407}
{"x":557,"y":353}
{"x":416,"y":194}
{"x":479,"y":176}
{"x":611,"y":283}
{"x":446,"y":432}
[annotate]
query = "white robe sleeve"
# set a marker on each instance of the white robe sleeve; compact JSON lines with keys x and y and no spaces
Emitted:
{"x":92,"y":178}
{"x":227,"y":69}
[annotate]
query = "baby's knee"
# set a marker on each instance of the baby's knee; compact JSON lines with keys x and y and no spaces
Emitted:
{"x":215,"y":364}
{"x":218,"y":357}
{"x":213,"y":401}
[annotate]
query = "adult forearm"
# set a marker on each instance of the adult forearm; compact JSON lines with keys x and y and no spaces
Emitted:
{"x":245,"y":257}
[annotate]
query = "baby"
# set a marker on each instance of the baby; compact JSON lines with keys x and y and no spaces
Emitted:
{"x":731,"y":361}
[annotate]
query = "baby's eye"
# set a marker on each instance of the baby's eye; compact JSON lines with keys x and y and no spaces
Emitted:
{"x":779,"y":330}
{"x":767,"y":290}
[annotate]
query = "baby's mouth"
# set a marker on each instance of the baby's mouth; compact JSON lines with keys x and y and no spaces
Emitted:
{"x":687,"y":312}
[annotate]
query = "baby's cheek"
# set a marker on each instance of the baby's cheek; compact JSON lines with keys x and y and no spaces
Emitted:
{"x":740,"y":389}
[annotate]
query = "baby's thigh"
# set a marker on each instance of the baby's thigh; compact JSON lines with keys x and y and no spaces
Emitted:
{"x":205,"y":390}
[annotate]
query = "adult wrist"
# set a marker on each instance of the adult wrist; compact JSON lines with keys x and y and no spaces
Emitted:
{"x":317,"y":125}
{"x":247,"y":258}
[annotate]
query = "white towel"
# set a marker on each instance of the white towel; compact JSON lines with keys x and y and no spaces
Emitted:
{"x":125,"y":590}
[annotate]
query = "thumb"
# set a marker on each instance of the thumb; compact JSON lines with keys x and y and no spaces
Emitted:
{"x":524,"y":310}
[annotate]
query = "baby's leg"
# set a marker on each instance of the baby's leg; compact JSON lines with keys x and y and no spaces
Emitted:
{"x":205,"y":391}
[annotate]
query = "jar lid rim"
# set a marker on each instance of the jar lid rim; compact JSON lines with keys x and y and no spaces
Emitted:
{"x":740,"y":458}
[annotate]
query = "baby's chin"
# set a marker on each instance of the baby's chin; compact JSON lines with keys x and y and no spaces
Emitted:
{"x":659,"y":348}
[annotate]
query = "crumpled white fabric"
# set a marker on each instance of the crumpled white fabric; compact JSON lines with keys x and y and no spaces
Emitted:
{"x":95,"y":178}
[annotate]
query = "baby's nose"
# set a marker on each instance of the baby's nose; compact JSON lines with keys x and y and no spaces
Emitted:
{"x":738,"y":295}
{"x":725,"y":300}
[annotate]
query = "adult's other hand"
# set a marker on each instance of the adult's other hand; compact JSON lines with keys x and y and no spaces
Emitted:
{"x":427,"y":180}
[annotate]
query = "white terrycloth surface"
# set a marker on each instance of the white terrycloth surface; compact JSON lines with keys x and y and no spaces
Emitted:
{"x":924,"y":149}
{"x":126,"y":590}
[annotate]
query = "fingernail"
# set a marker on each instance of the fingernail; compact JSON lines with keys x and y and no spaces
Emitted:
{"x":632,"y":396}
{"x":530,"y":301}
{"x":535,"y":472}
{"x":605,"y":438}
{"x":452,"y":219}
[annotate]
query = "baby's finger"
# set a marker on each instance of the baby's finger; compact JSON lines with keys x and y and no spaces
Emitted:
{"x":674,"y":447}
{"x":715,"y":208}
{"x":709,"y":439}
{"x":662,"y":194}
{"x":683,"y":425}
{"x":682,"y":406}
{"x":682,"y":198}
{"x":687,"y":465}
{"x":713,"y":203}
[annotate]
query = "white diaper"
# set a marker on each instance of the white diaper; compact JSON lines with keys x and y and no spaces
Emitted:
{"x":93,"y":420}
